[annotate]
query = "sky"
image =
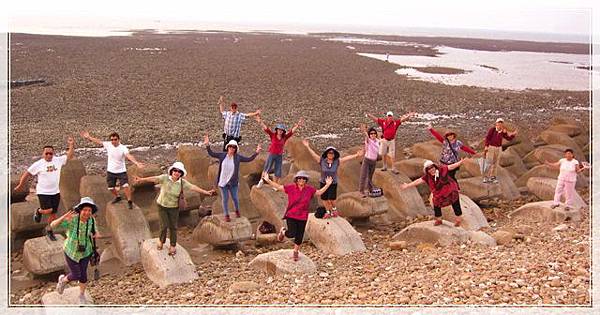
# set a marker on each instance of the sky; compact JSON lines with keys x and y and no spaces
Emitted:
{"x":547,"y":16}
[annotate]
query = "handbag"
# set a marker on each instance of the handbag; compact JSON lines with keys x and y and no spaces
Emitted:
{"x":95,"y":258}
{"x":181,"y":203}
{"x":376,"y":192}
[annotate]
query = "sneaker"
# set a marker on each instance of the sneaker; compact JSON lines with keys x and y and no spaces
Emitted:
{"x":494,"y":180}
{"x":554,"y":206}
{"x":296,"y":256}
{"x":567,"y":208}
{"x":117,"y":199}
{"x":327,"y":215}
{"x":260,"y":183}
{"x":281,"y":234}
{"x":274,"y":189}
{"x":335,"y":213}
{"x":227,"y":218}
{"x":50,"y":235}
{"x":384,"y":169}
{"x":129,"y":204}
{"x":237,"y":214}
{"x":395,"y":171}
{"x":37,"y":216}
{"x":486,"y":180}
{"x":437,"y":222}
{"x":60,"y":286}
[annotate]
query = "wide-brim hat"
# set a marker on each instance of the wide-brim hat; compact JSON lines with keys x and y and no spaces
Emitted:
{"x":281,"y":126}
{"x":86,"y":201}
{"x":450,"y":132}
{"x":427,"y":164}
{"x":499,"y":120}
{"x":336,"y":154}
{"x":232,"y":143}
{"x":301,"y":174}
{"x":179,"y":166}
{"x":390,"y":113}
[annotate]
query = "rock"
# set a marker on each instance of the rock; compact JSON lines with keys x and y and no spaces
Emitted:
{"x":148,"y":170}
{"x":193,"y":200}
{"x":196,"y":162}
{"x":281,"y":262}
{"x":163,"y":269}
{"x":522,"y":148}
{"x":402,"y":203}
{"x":21,"y":216}
{"x":381,"y":219}
{"x":270,"y":204}
{"x":215,"y":231}
{"x":108,"y":254}
{"x":254,"y":167}
{"x":413,"y":168}
{"x":42,"y":256}
{"x":543,"y":188}
{"x":70,"y":296}
{"x":561,"y":227}
{"x":128,"y":228}
{"x":303,"y":160}
{"x":333,"y":236}
{"x":541,"y":212}
{"x":502,"y":237}
{"x":247,"y":208}
{"x":475,"y":189}
{"x":425,"y":232}
{"x":18,"y":196}
{"x":482,"y":238}
{"x":398,"y":245}
{"x":70,"y":180}
{"x":243,"y":287}
{"x":546,"y":171}
{"x":512,"y":162}
{"x":266,"y":239}
{"x":551,"y":153}
{"x":95,"y":186}
{"x":472,"y":216}
{"x":567,"y":129}
{"x":429,"y":150}
{"x":552,"y":137}
{"x":349,"y":175}
{"x":353,"y":205}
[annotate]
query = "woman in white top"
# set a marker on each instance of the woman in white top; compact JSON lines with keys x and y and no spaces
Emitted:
{"x":569,"y":167}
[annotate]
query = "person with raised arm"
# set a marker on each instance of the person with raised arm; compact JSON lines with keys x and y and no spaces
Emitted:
{"x":389,"y":127}
{"x":329,"y":162}
{"x":278,"y":138}
{"x":369,"y":162}
{"x":47,"y":169}
{"x":451,"y":148}
{"x":296,"y":214}
{"x":493,"y":148}
{"x":229,"y":172}
{"x":443,"y":188}
{"x":567,"y":178}
{"x":233,"y":120}
{"x":116,"y":170}
{"x":171,"y":185}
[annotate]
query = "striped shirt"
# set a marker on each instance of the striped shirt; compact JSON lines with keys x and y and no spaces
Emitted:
{"x":233,"y":123}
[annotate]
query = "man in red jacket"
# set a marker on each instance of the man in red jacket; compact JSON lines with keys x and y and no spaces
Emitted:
{"x":387,"y":147}
{"x":493,"y":148}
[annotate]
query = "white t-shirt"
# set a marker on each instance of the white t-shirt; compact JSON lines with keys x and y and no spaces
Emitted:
{"x":227,"y":169}
{"x":568,"y":170}
{"x":116,"y":157}
{"x":48,"y":174}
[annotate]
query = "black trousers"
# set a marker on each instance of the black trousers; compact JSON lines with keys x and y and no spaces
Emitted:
{"x":295,"y":230}
{"x":227,"y":138}
{"x":455,"y":206}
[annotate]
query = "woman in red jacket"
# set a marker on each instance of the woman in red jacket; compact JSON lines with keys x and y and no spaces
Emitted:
{"x":451,"y":147}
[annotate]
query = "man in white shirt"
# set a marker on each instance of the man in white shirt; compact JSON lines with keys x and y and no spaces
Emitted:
{"x":47,"y":169}
{"x":115,"y":168}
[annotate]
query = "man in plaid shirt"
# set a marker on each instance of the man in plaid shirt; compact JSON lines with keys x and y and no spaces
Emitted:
{"x":233,"y":122}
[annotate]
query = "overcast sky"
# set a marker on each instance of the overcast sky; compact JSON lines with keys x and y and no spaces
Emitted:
{"x":552,"y":16}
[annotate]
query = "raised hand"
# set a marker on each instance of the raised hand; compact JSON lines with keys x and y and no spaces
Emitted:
{"x":258,"y":148}
{"x":85,"y":134}
{"x":70,"y":141}
{"x":429,"y":125}
{"x":221,"y":99}
{"x":305,"y":142}
{"x":206,"y":141}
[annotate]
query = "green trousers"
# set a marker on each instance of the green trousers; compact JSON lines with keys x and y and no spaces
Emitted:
{"x":168,"y":220}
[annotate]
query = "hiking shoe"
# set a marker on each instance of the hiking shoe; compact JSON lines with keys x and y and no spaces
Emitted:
{"x":281,"y":234}
{"x":237,"y":214}
{"x":384,"y":169}
{"x":227,"y":218}
{"x":335,"y":213}
{"x":60,"y":286}
{"x":260,"y":183}
{"x":296,"y":256}
{"x":486,"y":180}
{"x":494,"y":180}
{"x":327,"y":215}
{"x":37,"y":216}
{"x":554,"y":206}
{"x":567,"y":208}
{"x":50,"y":235}
{"x":437,"y":222}
{"x":395,"y":171}
{"x":117,"y":199}
{"x":129,"y":204}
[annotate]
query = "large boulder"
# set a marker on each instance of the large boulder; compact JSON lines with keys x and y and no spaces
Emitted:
{"x":215,"y":231}
{"x":70,"y":180}
{"x":270,"y":204}
{"x":255,"y":166}
{"x":541,"y":211}
{"x":196,"y":162}
{"x":18,"y":196}
{"x":148,"y":170}
{"x":521,"y":146}
{"x":42,"y":256}
{"x":476,"y":190}
{"x":247,"y":208}
{"x":21,"y":216}
{"x":552,"y":137}
{"x":568,"y":129}
{"x":403,"y":203}
{"x":511,"y":161}
{"x":472,"y":216}
{"x":281,"y":262}
{"x":352,"y":205}
{"x":543,"y":188}
{"x":349,"y":175}
{"x":302,"y":158}
{"x":551,"y":153}
{"x":334,"y":236}
{"x":429,"y":150}
{"x":165,"y":270}
{"x":444,"y":234}
{"x":550,"y":172}
{"x":413,"y":168}
{"x":70,"y":296}
{"x":128,"y":228}
{"x":95,"y":186}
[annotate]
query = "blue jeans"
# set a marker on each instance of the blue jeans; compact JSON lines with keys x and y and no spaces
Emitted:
{"x":225,"y":191}
{"x":274,"y":161}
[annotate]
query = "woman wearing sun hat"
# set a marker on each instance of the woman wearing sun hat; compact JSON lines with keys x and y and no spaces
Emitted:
{"x":451,"y":148}
{"x":330,"y":162}
{"x":229,"y":172}
{"x":443,"y":188}
{"x":171,"y":185}
{"x":78,"y":247}
{"x":299,"y":195}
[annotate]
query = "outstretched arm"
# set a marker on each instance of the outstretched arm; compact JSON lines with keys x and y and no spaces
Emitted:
{"x":372,"y":117}
{"x":253,"y":156}
{"x":257,"y":112}
{"x":456,"y":165}
{"x":208,"y":149}
{"x":265,"y":177}
{"x":86,"y":135}
{"x":315,"y":156}
{"x":299,"y":124}
{"x":70,"y":150}
{"x":25,"y":177}
{"x":556,"y":164}
{"x":364,"y":130}
{"x":414,"y":183}
{"x":407,"y":116}
{"x":221,"y":101}
{"x":151,"y":179}
{"x":346,"y":158}
{"x":134,"y":160}
{"x":328,"y":182}
{"x":202,"y":191}
{"x":435,"y":133}
{"x":261,"y":122}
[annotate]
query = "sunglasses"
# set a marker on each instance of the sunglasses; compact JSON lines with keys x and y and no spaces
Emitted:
{"x":178,"y":171}
{"x":372,"y":133}
{"x":49,"y":153}
{"x":304,"y":178}
{"x":114,"y":139}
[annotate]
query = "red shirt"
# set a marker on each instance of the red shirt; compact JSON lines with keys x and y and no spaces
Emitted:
{"x":389,"y":128}
{"x":444,"y":189}
{"x":494,"y":138}
{"x":277,"y":145}
{"x":300,"y":201}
